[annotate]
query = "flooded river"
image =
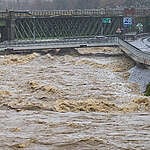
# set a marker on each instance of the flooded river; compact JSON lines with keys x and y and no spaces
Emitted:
{"x":71,"y":101}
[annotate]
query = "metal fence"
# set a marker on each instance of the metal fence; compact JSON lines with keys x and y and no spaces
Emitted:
{"x":46,"y":28}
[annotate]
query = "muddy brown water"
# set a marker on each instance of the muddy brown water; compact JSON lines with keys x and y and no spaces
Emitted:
{"x":72,"y":102}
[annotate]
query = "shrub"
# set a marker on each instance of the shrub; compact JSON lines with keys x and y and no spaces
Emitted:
{"x":147,"y":92}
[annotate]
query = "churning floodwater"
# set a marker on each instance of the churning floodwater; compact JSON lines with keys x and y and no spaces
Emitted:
{"x":70,"y":101}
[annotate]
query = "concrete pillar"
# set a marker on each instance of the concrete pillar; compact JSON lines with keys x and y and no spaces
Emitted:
{"x":11,"y":26}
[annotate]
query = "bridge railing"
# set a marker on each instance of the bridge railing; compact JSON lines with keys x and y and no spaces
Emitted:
{"x":80,"y":41}
{"x":135,"y":53}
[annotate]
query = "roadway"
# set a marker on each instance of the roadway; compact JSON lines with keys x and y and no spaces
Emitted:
{"x":142,"y":43}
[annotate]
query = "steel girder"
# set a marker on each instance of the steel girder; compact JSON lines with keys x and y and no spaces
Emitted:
{"x":57,"y":27}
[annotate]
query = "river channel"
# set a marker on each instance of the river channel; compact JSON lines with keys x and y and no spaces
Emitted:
{"x":78,"y":100}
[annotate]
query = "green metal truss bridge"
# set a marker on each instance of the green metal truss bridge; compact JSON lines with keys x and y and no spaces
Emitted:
{"x":42,"y":25}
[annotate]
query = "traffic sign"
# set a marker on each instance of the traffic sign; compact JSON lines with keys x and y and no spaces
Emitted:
{"x":127,"y":21}
{"x":118,"y":30}
{"x":140,"y":27}
{"x":106,"y":20}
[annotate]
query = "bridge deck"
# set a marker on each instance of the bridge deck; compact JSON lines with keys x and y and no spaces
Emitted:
{"x":60,"y":43}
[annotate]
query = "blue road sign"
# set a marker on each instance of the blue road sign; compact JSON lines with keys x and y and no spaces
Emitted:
{"x":127,"y":21}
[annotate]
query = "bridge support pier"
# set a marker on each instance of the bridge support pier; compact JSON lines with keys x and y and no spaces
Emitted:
{"x":11,"y":26}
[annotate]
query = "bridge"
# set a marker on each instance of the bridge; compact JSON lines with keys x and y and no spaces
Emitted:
{"x":32,"y":25}
{"x":139,"y":56}
{"x":29,"y":31}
